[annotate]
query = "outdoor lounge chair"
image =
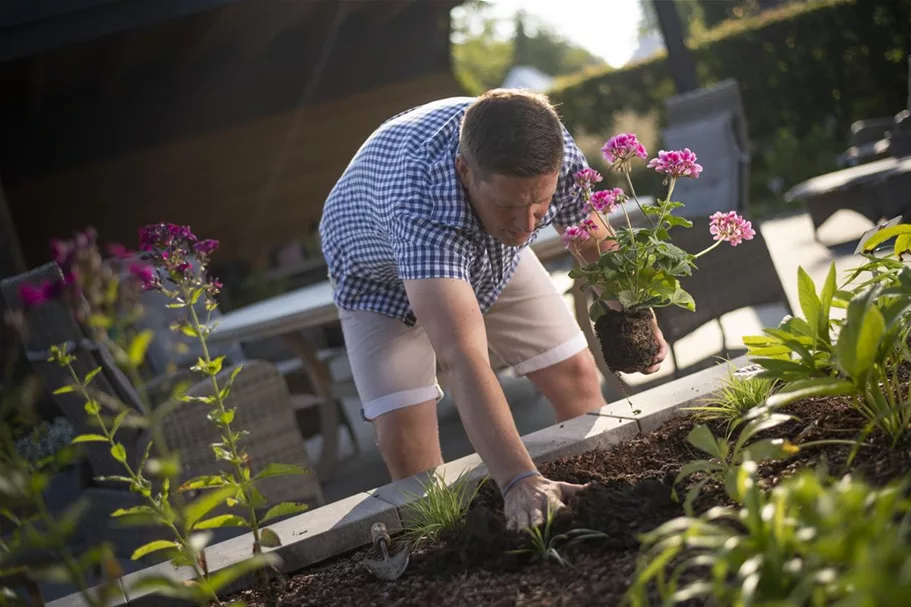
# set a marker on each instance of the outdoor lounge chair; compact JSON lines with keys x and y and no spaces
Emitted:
{"x":711,"y":122}
{"x":876,"y":187}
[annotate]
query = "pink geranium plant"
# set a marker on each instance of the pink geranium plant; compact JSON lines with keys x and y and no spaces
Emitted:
{"x":642,"y":270}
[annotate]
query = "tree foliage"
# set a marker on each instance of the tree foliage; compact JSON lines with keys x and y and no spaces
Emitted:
{"x":485,"y":47}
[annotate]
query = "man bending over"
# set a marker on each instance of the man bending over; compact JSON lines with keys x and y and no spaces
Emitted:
{"x":426,"y":238}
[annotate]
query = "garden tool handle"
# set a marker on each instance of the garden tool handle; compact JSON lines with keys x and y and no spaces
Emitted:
{"x":381,"y":538}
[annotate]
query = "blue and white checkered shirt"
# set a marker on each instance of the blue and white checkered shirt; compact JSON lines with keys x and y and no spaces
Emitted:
{"x":399,"y":212}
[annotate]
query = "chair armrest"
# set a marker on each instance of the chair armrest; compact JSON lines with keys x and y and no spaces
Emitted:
{"x":870,"y":130}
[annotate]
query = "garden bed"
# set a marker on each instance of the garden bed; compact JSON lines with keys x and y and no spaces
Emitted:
{"x":630,"y":494}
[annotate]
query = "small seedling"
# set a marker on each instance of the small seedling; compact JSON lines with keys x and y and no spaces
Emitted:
{"x":544,"y":544}
{"x":441,"y":507}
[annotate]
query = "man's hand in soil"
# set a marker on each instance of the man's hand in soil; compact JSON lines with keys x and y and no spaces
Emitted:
{"x":527,"y":501}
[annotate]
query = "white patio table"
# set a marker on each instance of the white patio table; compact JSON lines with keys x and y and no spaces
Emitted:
{"x":288,"y":314}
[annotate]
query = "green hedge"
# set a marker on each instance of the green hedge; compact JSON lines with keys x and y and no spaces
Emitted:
{"x":806,"y":72}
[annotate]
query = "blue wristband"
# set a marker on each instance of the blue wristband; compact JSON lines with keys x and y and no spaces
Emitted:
{"x":518,"y":478}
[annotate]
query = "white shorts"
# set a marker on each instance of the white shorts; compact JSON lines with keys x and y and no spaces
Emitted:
{"x":529,"y":328}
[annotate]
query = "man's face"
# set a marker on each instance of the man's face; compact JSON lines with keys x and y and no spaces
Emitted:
{"x":509,"y":208}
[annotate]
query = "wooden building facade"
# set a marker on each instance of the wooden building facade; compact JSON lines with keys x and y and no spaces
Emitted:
{"x":232,"y":116}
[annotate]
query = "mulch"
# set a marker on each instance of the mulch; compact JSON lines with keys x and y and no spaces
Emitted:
{"x":630,"y":494}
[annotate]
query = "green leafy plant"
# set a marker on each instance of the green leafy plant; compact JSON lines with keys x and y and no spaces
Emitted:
{"x":641,"y":267}
{"x":545,"y":544}
{"x":34,"y":541}
{"x":736,"y":396}
{"x":440,"y":508}
{"x":861,"y":363}
{"x":810,"y":541}
{"x":727,"y":458}
{"x":174,"y":262}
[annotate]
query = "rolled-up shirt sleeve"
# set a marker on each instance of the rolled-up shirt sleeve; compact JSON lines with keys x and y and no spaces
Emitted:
{"x":424,"y":248}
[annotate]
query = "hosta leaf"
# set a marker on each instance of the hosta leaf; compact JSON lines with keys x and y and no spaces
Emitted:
{"x":885,"y":234}
{"x":871,"y":332}
{"x":760,"y":340}
{"x":757,"y":426}
{"x":862,"y":316}
{"x":770,"y":448}
{"x":701,"y":465}
{"x":810,"y":388}
{"x":703,"y":439}
{"x":825,"y":300}
{"x":902,"y":245}
{"x":691,"y":495}
{"x":809,"y":301}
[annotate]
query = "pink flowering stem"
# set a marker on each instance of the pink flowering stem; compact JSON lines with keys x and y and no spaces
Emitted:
{"x":632,"y":191}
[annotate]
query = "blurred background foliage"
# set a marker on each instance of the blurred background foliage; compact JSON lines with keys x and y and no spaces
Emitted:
{"x":807,"y":69}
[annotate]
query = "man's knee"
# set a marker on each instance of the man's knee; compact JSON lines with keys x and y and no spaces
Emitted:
{"x":578,"y":370}
{"x":408,"y":438}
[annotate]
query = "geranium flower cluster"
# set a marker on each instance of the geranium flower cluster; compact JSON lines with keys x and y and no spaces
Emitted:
{"x":619,"y":151}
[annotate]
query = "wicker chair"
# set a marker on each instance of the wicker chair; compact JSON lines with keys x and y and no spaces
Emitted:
{"x":53,"y":324}
{"x":313,"y":416}
{"x":260,"y":395}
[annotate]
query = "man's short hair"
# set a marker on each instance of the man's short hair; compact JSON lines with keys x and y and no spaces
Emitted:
{"x":512,"y":132}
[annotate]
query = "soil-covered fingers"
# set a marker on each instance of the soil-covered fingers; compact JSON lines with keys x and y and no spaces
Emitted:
{"x":527,"y":504}
{"x":570,"y":489}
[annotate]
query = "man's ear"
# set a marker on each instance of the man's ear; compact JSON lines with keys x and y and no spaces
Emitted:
{"x":463,"y":170}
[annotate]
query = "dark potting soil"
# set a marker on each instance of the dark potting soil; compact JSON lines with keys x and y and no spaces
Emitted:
{"x":627,"y":339}
{"x":630,"y":493}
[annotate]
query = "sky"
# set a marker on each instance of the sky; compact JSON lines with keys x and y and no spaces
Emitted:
{"x":607,"y":28}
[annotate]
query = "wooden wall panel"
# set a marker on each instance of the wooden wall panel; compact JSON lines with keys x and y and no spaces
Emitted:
{"x":215,"y":183}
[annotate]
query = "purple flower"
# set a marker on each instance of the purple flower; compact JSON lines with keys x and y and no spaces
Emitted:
{"x":573,"y":234}
{"x":676,"y":163}
{"x":588,"y":224}
{"x":32,"y":295}
{"x":606,"y":201}
{"x":620,"y":150}
{"x":206,"y":247}
{"x":118,"y":251}
{"x":61,"y":251}
{"x":145,"y":274}
{"x":731,"y":227}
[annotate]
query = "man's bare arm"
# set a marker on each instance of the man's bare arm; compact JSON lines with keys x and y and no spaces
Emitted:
{"x":449,"y":312}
